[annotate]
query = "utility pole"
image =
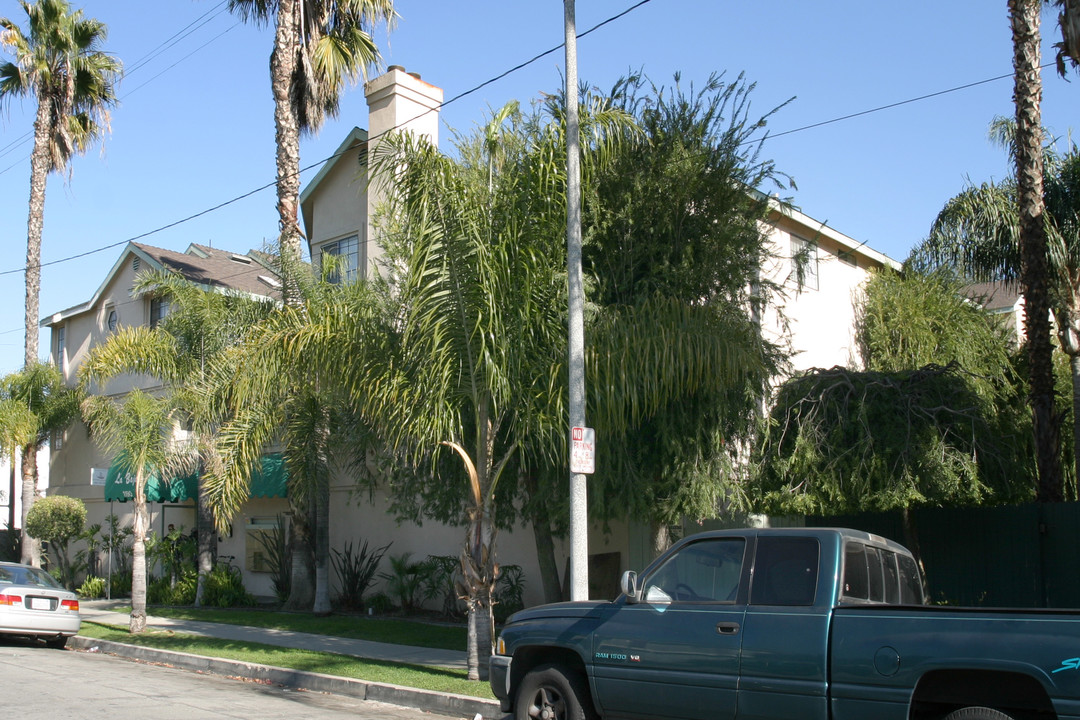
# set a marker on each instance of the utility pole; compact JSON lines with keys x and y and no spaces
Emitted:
{"x":579,"y":515}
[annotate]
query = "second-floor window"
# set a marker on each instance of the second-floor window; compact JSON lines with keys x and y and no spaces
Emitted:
{"x":346,"y":263}
{"x":159,"y":308}
{"x":804,"y":263}
{"x":61,"y":348}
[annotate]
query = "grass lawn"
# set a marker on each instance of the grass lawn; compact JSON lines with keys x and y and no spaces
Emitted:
{"x":417,"y":676}
{"x":361,"y":627}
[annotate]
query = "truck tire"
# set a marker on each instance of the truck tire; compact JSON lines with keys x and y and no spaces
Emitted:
{"x":552,"y":692}
{"x":977,"y":713}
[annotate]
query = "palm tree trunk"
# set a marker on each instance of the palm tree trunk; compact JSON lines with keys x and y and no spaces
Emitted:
{"x":1029,"y":175}
{"x":301,"y":591}
{"x":138,"y":557}
{"x":283,"y":66}
{"x":322,"y":550}
{"x":39,"y":175}
{"x":1074,"y":367}
{"x":31,"y":547}
{"x":207,"y":540}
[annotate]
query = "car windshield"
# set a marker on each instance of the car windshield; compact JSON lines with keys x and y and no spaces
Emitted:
{"x":23,"y":575}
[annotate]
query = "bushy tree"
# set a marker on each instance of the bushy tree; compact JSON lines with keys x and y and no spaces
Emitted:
{"x":675,"y":239}
{"x":57,"y":519}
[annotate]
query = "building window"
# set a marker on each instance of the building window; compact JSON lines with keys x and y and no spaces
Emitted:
{"x":804,"y":263}
{"x":159,"y":308}
{"x":112,"y":320}
{"x":61,"y":348}
{"x":347,"y":259}
{"x":847,"y":257}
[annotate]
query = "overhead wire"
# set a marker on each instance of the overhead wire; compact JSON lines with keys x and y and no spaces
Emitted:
{"x":476,"y":88}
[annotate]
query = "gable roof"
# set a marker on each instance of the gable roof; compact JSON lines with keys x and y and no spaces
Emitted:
{"x":355,"y":138}
{"x":210,"y":267}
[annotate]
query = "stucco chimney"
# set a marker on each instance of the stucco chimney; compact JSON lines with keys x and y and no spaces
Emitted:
{"x":396,"y":100}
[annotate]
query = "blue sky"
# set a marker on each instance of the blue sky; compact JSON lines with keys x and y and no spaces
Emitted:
{"x":195,"y":127}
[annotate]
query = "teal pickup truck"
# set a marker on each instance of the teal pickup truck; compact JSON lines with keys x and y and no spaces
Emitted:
{"x":799,"y":624}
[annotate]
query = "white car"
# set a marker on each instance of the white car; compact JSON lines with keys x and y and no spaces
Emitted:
{"x":33,"y":604}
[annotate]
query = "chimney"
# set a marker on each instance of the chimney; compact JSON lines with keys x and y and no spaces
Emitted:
{"x":397,"y":100}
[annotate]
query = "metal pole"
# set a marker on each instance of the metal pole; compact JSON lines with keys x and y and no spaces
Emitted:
{"x":579,"y":538}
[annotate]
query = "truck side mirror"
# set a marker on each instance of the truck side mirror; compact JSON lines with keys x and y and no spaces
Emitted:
{"x":628,"y":585}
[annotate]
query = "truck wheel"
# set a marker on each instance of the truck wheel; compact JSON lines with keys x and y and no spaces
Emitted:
{"x":977,"y":713}
{"x":551,"y":692}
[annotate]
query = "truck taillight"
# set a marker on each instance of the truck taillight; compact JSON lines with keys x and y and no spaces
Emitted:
{"x":72,"y":605}
{"x":10,"y":600}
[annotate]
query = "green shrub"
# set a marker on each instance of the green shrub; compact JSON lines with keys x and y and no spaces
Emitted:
{"x":509,"y":591}
{"x":405,"y":581}
{"x":225,"y":588}
{"x":120,"y":584}
{"x":440,"y":581}
{"x":163,"y":591}
{"x":355,"y":572}
{"x":380,"y":603}
{"x":275,"y":543}
{"x":92,"y":587}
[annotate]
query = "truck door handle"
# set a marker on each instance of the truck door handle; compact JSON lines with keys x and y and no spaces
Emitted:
{"x":727,"y":628}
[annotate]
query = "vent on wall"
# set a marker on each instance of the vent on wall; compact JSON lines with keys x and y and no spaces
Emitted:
{"x":135,"y":264}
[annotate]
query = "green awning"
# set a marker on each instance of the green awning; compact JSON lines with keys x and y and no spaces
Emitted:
{"x":120,"y":486}
{"x":270,"y":481}
{"x":273,"y":479}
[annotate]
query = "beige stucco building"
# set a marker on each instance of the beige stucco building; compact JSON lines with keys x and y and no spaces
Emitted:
{"x":819,"y":269}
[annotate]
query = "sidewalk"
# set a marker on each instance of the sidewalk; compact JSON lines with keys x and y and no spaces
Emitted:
{"x":104,"y":611}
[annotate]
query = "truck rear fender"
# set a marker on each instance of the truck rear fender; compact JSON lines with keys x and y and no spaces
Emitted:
{"x":1015,"y":693}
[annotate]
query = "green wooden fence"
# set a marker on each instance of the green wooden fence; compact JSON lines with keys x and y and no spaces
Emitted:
{"x":1013,"y":556}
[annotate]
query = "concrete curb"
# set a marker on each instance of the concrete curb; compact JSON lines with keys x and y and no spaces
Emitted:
{"x":428,"y":700}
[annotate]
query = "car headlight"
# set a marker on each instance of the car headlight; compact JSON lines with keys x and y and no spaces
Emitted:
{"x":500,"y":646}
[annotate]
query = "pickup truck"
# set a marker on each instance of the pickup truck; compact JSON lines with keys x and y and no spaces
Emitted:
{"x":799,"y":624}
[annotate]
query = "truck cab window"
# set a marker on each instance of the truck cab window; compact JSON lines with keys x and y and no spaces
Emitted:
{"x":785,"y":571}
{"x":705,"y":571}
{"x":911,"y":591}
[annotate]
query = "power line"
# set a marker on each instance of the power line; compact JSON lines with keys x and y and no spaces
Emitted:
{"x":477,"y":88}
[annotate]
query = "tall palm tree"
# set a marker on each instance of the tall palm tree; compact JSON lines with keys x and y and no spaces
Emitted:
{"x":319,"y":45}
{"x":200,"y":326}
{"x":40,"y":389}
{"x":977,"y":233}
{"x":138,"y":429}
{"x":1028,"y":147}
{"x":60,"y":62}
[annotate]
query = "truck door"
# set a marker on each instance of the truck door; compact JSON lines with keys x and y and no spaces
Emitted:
{"x":785,"y":633}
{"x":675,"y":654}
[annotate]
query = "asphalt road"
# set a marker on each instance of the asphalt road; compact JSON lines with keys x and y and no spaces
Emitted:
{"x":41,"y":684}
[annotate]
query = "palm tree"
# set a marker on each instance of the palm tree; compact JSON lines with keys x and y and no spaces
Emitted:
{"x":319,"y":45}
{"x":51,"y":406}
{"x":274,"y":391}
{"x":139,"y":430}
{"x":17,"y":428}
{"x":200,"y":326}
{"x":60,"y":62}
{"x":1027,"y":94}
{"x":978,"y":234}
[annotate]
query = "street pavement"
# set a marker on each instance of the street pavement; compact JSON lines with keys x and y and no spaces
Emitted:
{"x":105,"y":611}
